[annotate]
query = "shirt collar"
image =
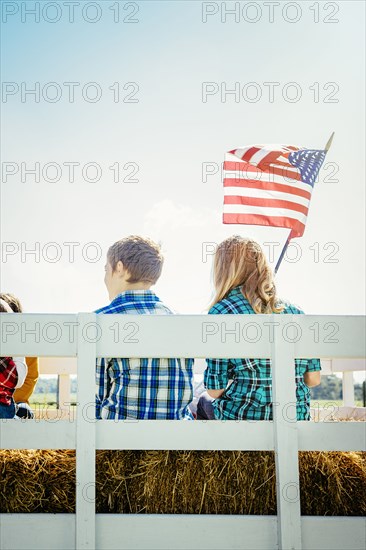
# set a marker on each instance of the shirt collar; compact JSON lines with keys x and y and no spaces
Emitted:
{"x":135,"y":296}
{"x":235,"y":291}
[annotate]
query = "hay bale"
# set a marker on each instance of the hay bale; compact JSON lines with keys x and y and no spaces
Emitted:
{"x":182,"y":482}
{"x":37,"y":481}
{"x":117,"y":481}
{"x":335,"y":481}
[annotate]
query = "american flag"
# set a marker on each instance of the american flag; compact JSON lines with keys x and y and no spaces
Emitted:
{"x":270,"y":185}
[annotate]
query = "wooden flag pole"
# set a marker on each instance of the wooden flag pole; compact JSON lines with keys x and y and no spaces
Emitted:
{"x":327,"y":147}
{"x":329,"y":143}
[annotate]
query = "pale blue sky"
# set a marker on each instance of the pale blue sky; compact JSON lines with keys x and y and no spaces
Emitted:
{"x":169,"y":133}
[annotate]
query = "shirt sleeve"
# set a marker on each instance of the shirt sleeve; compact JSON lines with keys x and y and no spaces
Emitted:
{"x":23,"y":394}
{"x":22,"y":370}
{"x":313,"y":365}
{"x":216,"y":375}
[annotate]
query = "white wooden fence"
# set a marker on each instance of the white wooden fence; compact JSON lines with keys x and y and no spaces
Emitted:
{"x":279,"y":337}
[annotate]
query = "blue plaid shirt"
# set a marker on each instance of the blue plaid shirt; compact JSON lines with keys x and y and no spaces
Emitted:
{"x":249,"y":397}
{"x":143,"y":388}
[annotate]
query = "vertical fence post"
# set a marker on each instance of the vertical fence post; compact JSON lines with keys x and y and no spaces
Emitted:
{"x":85,"y":433}
{"x":285,"y":436}
{"x":63,"y":397}
{"x":348,"y":389}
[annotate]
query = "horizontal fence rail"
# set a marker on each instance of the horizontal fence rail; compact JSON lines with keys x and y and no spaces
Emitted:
{"x":212,"y":435}
{"x":180,"y":532}
{"x":282,"y":338}
{"x":45,"y":335}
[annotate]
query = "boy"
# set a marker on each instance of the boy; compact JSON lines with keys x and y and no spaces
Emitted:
{"x":12,"y":375}
{"x":140,"y":388}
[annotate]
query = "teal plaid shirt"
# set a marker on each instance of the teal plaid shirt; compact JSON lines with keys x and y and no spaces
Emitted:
{"x":249,"y":397}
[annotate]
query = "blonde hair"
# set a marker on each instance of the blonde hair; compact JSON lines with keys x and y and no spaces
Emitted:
{"x":241,"y":262}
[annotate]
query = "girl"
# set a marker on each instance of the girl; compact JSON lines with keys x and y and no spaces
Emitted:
{"x":244,"y":284}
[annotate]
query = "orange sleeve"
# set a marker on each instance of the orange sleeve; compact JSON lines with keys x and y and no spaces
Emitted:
{"x":22,"y":395}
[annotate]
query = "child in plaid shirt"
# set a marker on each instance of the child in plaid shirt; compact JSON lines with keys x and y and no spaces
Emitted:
{"x":12,"y":375}
{"x":140,"y":388}
{"x":241,"y":389}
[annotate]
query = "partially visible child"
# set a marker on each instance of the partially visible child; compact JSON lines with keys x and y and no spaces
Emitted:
{"x":13,"y":372}
{"x":22,"y":395}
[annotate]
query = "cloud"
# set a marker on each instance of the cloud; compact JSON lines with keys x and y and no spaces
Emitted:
{"x":167,"y":214}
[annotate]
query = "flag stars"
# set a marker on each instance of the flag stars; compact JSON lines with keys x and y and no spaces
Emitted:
{"x":308,"y":162}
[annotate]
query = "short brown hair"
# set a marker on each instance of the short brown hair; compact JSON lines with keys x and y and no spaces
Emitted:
{"x":12,"y":301}
{"x":140,"y":256}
